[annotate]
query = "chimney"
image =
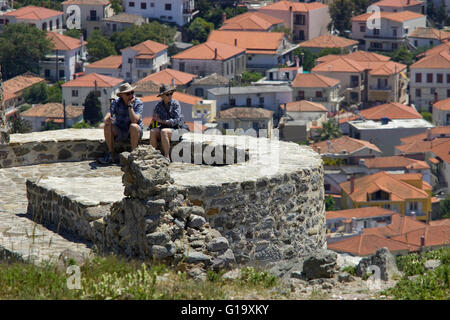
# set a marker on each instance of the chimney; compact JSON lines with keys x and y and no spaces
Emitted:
{"x":428,"y":134}
{"x":352,"y":184}
{"x":215,"y":53}
{"x":235,"y":42}
{"x":407,"y":2}
{"x":422,"y":241}
{"x":435,"y":97}
{"x":42,"y":4}
{"x":224,"y":17}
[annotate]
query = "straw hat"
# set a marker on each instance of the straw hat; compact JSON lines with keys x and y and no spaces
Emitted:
{"x":124,"y":88}
{"x":165,"y":89}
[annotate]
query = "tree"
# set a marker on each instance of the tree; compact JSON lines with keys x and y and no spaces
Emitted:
{"x":445,"y":208}
{"x":330,"y":130}
{"x":99,"y":47}
{"x":92,"y":112}
{"x":287,"y":32}
{"x":341,"y":15}
{"x":117,"y":6}
{"x":20,"y":125}
{"x":37,"y":93}
{"x":403,"y":55}
{"x":249,"y":77}
{"x":74,"y":33}
{"x":330,"y":204}
{"x":54,"y":92}
{"x":199,"y":29}
{"x":21,"y":48}
{"x":307,"y":58}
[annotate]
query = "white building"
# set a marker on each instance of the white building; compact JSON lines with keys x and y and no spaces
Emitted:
{"x":441,"y":113}
{"x":66,"y":58}
{"x":110,"y":66}
{"x":389,"y":33}
{"x":428,"y":37}
{"x":267,"y":97}
{"x":143,"y":59}
{"x":75,"y":92}
{"x":91,"y":13}
{"x":180,"y":12}
{"x":42,"y":18}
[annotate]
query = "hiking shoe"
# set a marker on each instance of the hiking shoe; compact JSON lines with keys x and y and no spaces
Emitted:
{"x":107,"y":159}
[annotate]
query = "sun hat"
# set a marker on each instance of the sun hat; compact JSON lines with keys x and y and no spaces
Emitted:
{"x":165,"y":89}
{"x":124,"y":88}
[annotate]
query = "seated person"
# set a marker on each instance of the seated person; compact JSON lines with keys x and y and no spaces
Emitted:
{"x":166,"y":117}
{"x":123,"y":122}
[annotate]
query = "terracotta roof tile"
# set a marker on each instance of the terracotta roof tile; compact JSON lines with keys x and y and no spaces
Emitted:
{"x":18,"y":83}
{"x":395,"y":162}
{"x":434,"y":236}
{"x":389,"y":183}
{"x":64,"y":43}
{"x":257,"y":21}
{"x":397,"y":3}
{"x":442,"y":222}
{"x":439,"y":60}
{"x":33,"y":13}
{"x":148,"y":48}
{"x":205,"y":51}
{"x":305,"y":106}
{"x":296,"y":6}
{"x":393,"y":110}
{"x":313,"y":80}
{"x":87,"y":2}
{"x":419,"y":144}
{"x":252,"y":41}
{"x":400,"y":16}
{"x":443,"y":105}
{"x":340,"y":64}
{"x":429,"y":33}
{"x":362,"y":56}
{"x":359,"y":213}
{"x":53,"y":111}
{"x":368,"y":244}
{"x":399,"y":225}
{"x":179,"y":96}
{"x":245,"y":113}
{"x":445,"y":46}
{"x":165,"y":76}
{"x":346,"y":143}
{"x":111,"y":62}
{"x":442,"y":151}
{"x":328,"y":41}
{"x":89,"y":81}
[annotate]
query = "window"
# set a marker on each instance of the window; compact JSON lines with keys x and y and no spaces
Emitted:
{"x":249,"y":102}
{"x":169,"y":17}
{"x":376,"y":32}
{"x":2,"y":21}
{"x":406,"y":30}
{"x":143,"y":5}
{"x":47,"y":73}
{"x":418,"y":93}
{"x":387,"y":206}
{"x":418,"y":77}
{"x":432,"y":90}
{"x":376,"y":45}
{"x":131,"y":4}
{"x":51,"y":25}
{"x":394,"y":46}
{"x":431,"y":43}
{"x":448,"y":93}
{"x":429,"y":77}
{"x":440,"y":78}
{"x":415,"y":43}
{"x":226,"y":126}
{"x":318,"y":94}
{"x":199,"y":92}
{"x":362,"y":28}
{"x":74,"y":93}
{"x":448,"y":77}
{"x":261,"y":100}
{"x":394,"y":32}
{"x":130,"y":60}
{"x":232,"y":102}
{"x":301,"y":95}
{"x":168,"y":7}
{"x":61,"y":73}
{"x":152,"y":4}
{"x":114,"y":27}
{"x":299,"y":19}
{"x":354,"y":81}
{"x":413,"y":206}
{"x":181,"y":66}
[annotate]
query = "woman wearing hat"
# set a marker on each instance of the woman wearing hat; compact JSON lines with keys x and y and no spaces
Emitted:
{"x":167,"y":114}
{"x":124,"y":121}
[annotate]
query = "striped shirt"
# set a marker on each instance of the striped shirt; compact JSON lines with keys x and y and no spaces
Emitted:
{"x":121,"y":114}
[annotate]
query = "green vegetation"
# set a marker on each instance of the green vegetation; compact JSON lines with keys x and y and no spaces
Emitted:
{"x":214,"y":13}
{"x":425,"y":285}
{"x":308,"y":58}
{"x":199,"y":30}
{"x":50,"y":4}
{"x":333,"y":162}
{"x":92,"y":112}
{"x":248,"y":77}
{"x":41,"y":93}
{"x":21,"y":48}
{"x":74,"y":33}
{"x":445,"y":208}
{"x":330,"y":204}
{"x":112,"y":277}
{"x":99,"y":46}
{"x":117,"y":6}
{"x":437,"y":15}
{"x":427,"y":116}
{"x":329,"y":130}
{"x":341,"y":12}
{"x":82,"y":125}
{"x":350,"y":269}
{"x":19,"y":125}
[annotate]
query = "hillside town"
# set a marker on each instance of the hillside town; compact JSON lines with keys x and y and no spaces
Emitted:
{"x":367,"y":88}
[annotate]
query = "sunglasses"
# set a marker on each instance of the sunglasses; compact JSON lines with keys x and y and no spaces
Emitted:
{"x":169,"y":94}
{"x":130,"y":93}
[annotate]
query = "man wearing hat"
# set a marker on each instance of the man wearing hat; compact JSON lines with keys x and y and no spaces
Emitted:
{"x":124,"y":121}
{"x":168,"y":115}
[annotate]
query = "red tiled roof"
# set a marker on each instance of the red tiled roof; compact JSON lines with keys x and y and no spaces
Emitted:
{"x":328,"y":41}
{"x":397,"y":3}
{"x":400,"y":16}
{"x":18,"y":83}
{"x":87,"y":2}
{"x":443,"y":105}
{"x":179,"y":96}
{"x":296,"y":6}
{"x":383,"y":181}
{"x":33,"y":13}
{"x":305,"y":106}
{"x":395,"y":162}
{"x":340,"y":64}
{"x":53,"y":111}
{"x":442,"y":222}
{"x":167,"y":75}
{"x":391,"y":110}
{"x":434,"y":236}
{"x":148,"y":49}
{"x":399,"y":225}
{"x":206,"y":51}
{"x":359,"y":213}
{"x":252,"y":41}
{"x":429,"y":33}
{"x":444,"y":46}
{"x":439,"y":60}
{"x":368,"y":244}
{"x":313,"y":80}
{"x":89,"y":81}
{"x":346,"y":143}
{"x":111,"y":62}
{"x":419,"y":144}
{"x":251,"y":21}
{"x":64,"y":43}
{"x":442,"y":151}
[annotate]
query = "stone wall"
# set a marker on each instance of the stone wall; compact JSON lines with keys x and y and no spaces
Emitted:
{"x":267,"y":208}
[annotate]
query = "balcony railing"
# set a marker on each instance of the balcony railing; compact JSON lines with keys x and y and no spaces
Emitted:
{"x":89,"y":18}
{"x":380,"y":36}
{"x":381,"y":88}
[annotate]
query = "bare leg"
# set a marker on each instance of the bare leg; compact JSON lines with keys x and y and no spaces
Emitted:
{"x":109,"y":138}
{"x":166,"y":135}
{"x":154,"y":137}
{"x":135,"y":134}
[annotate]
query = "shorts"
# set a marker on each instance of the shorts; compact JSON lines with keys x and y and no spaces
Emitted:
{"x":124,"y":135}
